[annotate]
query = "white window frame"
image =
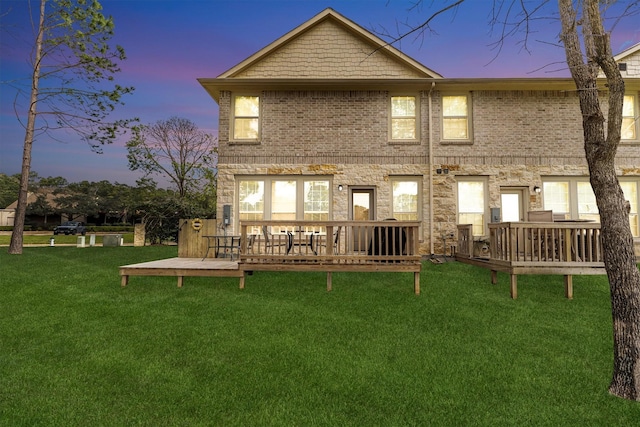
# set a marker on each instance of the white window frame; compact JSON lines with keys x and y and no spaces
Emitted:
{"x":300,"y":180}
{"x":573,"y":197}
{"x":412,"y":179}
{"x":416,"y":117}
{"x":635,"y":117}
{"x":485,"y":185}
{"x":469,"y":118}
{"x":234,"y":117}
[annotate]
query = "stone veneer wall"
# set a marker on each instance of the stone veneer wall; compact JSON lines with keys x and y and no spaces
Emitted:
{"x":444,"y":188}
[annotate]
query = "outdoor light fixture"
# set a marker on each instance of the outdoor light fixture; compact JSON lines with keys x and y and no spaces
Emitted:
{"x":340,"y":187}
{"x":537,"y":189}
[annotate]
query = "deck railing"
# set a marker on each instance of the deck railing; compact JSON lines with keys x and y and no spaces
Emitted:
{"x":539,"y":243}
{"x":329,"y":242}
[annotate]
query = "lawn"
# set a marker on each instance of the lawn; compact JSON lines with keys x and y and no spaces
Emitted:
{"x":76,"y":349}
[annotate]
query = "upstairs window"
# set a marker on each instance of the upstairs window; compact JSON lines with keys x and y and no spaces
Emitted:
{"x":403,"y":118}
{"x":246,"y":118}
{"x":629,"y":118}
{"x":456,"y":118}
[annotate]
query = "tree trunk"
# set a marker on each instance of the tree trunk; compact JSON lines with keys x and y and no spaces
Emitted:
{"x":15,"y":247}
{"x":600,"y":149}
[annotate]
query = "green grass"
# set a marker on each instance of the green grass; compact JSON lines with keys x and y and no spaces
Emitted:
{"x":78,"y":350}
{"x":60,"y":239}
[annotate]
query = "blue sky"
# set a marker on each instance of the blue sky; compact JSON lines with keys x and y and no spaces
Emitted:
{"x":171,"y":43}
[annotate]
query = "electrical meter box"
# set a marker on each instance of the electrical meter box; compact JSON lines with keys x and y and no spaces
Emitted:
{"x":495,"y":214}
{"x":226,"y":214}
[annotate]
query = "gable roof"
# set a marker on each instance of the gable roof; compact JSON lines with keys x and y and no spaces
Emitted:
{"x":627,"y":52}
{"x":32,"y":197}
{"x":329,"y":46}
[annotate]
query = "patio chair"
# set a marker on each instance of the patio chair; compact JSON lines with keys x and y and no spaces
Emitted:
{"x":540,"y":216}
{"x":547,"y":241}
{"x":272,"y":241}
{"x":335,"y":241}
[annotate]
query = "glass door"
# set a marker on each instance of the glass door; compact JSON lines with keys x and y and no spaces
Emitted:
{"x":362,"y":209}
{"x":513,"y":207}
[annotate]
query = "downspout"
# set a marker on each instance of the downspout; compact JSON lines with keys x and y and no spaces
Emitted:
{"x":433,"y":84}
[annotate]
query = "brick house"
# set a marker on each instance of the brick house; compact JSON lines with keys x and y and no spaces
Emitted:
{"x":330,"y":123}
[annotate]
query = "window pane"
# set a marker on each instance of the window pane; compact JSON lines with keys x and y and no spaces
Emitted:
{"x":471,"y":204}
{"x":556,"y":197}
{"x":629,"y":118}
{"x":510,"y":207}
{"x":403,"y":129}
{"x":455,"y":129}
{"x":247,"y":106}
{"x":471,"y":196}
{"x":316,"y":200}
{"x":477,"y":220}
{"x":246,"y":129}
{"x":587,"y":207}
{"x":628,"y":106}
{"x":405,"y":200}
{"x":454,"y":106}
{"x":630,"y":190}
{"x":283,"y":200}
{"x":628,"y":128}
{"x":403,"y":106}
{"x":403,"y":117}
{"x":251,"y":196}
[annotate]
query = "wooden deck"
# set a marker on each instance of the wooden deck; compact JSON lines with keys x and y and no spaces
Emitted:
{"x":559,"y":248}
{"x":327,"y":246}
{"x":181,"y":268}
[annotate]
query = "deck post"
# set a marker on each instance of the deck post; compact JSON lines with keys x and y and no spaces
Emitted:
{"x":124,"y":281}
{"x":568,"y":286}
{"x":180,"y":280}
{"x":244,"y":273}
{"x":329,"y":281}
{"x":514,"y":286}
{"x":494,"y":277}
{"x":416,"y":282}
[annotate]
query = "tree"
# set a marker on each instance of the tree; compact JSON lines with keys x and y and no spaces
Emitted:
{"x":586,"y":55}
{"x":71,"y":63}
{"x":588,"y":50}
{"x":9,"y":185}
{"x":102,"y":200}
{"x":40,"y":207}
{"x":173,"y":148}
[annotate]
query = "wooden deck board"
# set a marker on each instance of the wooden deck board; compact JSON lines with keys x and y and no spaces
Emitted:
{"x":182,"y":267}
{"x":568,"y":270}
{"x":196,"y":267}
{"x":187,"y":263}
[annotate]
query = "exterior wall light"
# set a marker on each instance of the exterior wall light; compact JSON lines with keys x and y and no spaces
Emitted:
{"x":537,"y":189}
{"x":340,"y":187}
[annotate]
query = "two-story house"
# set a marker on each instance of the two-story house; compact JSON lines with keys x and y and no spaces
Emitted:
{"x":330,"y":123}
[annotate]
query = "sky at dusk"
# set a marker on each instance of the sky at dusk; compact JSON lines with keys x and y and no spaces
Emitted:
{"x":171,"y":43}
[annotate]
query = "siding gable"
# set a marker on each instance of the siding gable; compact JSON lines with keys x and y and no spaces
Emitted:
{"x":329,"y":46}
{"x":633,"y":63}
{"x":631,"y":58}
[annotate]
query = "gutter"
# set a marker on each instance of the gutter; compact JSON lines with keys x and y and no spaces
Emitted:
{"x":431,"y":246}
